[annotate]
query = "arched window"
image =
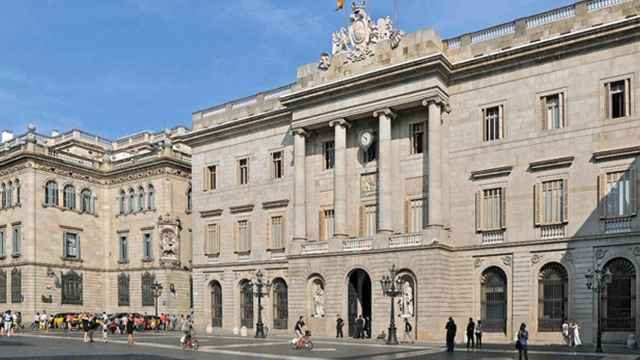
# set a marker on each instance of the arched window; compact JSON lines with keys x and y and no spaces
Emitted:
{"x":132,"y":201}
{"x":51,"y":194}
{"x":3,"y":192}
{"x":147,"y":291}
{"x":216,"y":304}
{"x":151,"y":195}
{"x":140,"y":198}
{"x":619,"y":298}
{"x":494,"y":300}
{"x":10,"y":195}
{"x":72,"y":288}
{"x":87,"y":201}
{"x":189,"y":200}
{"x":122,"y":198}
{"x":552,"y":297}
{"x":16,"y":185}
{"x":16,"y":286}
{"x":69,"y":200}
{"x":280,"y":304}
{"x":123,"y":289}
{"x":246,"y":304}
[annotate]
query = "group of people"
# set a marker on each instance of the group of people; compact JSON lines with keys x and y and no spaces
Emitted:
{"x":571,"y":333}
{"x":473,"y":337}
{"x":10,"y":323}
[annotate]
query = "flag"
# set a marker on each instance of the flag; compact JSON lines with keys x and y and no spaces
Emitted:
{"x":340,"y":5}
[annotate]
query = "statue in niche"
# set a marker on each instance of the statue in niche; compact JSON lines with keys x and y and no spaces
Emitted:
{"x":406,"y":300}
{"x":169,"y":245}
{"x":317,"y":294}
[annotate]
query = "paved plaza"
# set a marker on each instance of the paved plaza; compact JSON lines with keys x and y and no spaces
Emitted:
{"x":150,"y":346}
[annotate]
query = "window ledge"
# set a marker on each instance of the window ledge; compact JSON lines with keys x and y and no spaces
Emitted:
{"x":123,"y":262}
{"x":74,"y":259}
{"x":147,"y":259}
{"x":276,"y":249}
{"x":213,"y":255}
{"x":243,"y":252}
{"x":3,"y":257}
{"x":16,"y":255}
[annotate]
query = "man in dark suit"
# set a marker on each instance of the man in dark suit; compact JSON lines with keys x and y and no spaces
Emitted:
{"x":451,"y":334}
{"x":360,"y":327}
{"x":339,"y":326}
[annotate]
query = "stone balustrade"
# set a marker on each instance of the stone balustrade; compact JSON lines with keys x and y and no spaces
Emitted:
{"x":315,"y":248}
{"x":617,"y":225}
{"x":493,"y":237}
{"x":355,"y":244}
{"x":405,"y":240}
{"x":552,"y":231}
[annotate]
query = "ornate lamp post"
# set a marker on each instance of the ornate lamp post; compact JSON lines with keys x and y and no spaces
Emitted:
{"x":156,"y":289}
{"x":391,"y":287}
{"x":597,"y":281}
{"x":259,"y":287}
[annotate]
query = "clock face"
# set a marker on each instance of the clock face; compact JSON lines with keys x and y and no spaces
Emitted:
{"x":366,"y":138}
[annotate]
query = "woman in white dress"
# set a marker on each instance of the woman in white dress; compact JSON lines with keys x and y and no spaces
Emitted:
{"x":576,"y":335}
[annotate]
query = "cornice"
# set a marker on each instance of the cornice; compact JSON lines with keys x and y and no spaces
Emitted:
{"x":211,"y":213}
{"x":490,"y":173}
{"x":565,"y":161}
{"x":275,"y":204}
{"x":241,"y":208}
{"x":619,"y":153}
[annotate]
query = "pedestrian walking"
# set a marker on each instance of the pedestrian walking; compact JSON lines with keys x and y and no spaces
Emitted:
{"x":43,"y":320}
{"x":479,"y":334}
{"x":408,"y":331}
{"x":84,"y":321}
{"x":565,"y":332}
{"x":339,"y":326}
{"x":522,"y":344}
{"x":575,"y":332}
{"x":471,"y":329}
{"x":93,"y":325}
{"x":106,"y":322}
{"x":8,"y":322}
{"x":36,"y":322}
{"x":130,"y":326}
{"x":299,"y":327}
{"x":451,"y":334}
{"x":360,"y":327}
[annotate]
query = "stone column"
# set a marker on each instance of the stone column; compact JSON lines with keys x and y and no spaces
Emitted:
{"x":385,"y":173}
{"x":340,"y":177}
{"x":299,"y":185}
{"x":434,"y":129}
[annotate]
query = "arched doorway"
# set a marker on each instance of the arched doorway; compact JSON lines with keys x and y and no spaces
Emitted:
{"x":553,"y":283}
{"x":280,"y":304}
{"x":246,"y":304}
{"x":216,"y":304}
{"x":359,"y":300}
{"x":494,"y":300}
{"x":619,"y":298}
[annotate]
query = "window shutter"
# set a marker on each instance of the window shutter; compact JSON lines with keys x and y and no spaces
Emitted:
{"x":543,"y":112}
{"x":205,"y":179}
{"x":283,"y":232}
{"x":565,"y":198}
{"x":484,"y":125}
{"x":270,"y":244}
{"x":407,"y":216}
{"x":537,"y":210}
{"x":634,"y":191}
{"x":563,"y":117}
{"x":627,"y":100}
{"x":503,"y":208}
{"x":248,"y":244}
{"x":207,"y":240}
{"x":607,"y":100}
{"x":236,"y":236}
{"x":501,"y":123}
{"x":602,"y":191}
{"x":362,"y":221}
{"x":321,"y":226}
{"x":479,"y":211}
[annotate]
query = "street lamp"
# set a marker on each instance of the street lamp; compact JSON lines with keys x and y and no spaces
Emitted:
{"x":392,"y":287}
{"x":260,"y":284}
{"x":597,"y":281}
{"x":156,"y":289}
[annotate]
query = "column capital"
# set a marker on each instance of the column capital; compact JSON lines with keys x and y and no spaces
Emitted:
{"x":299,"y":131}
{"x":339,"y":122}
{"x":438,"y":100}
{"x":385,"y":112}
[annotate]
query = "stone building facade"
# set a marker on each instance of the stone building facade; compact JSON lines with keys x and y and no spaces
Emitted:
{"x":494,"y":169}
{"x":88,"y":224}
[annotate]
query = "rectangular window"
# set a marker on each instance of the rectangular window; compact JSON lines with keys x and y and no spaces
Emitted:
{"x":71,"y":245}
{"x":243,"y":235}
{"x":493,"y":123}
{"x":2,"y":247}
{"x":368,"y":220}
{"x":123,"y":249}
{"x":211,"y":178}
{"x":277,"y":164}
{"x":277,"y":232}
{"x":243,"y":171}
{"x":328,"y":149}
{"x":417,"y":217}
{"x":619,"y":198}
{"x":553,"y":111}
{"x":618,"y":98}
{"x":327,"y":224}
{"x":492,"y":208}
{"x":147,"y":246}
{"x":417,"y":138}
{"x":16,"y":240}
{"x":213,"y":239}
{"x":553,"y":202}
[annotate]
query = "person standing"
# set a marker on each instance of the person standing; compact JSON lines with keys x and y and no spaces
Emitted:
{"x":36,"y":322}
{"x":130,"y":326}
{"x":575,"y":331}
{"x":8,"y":322}
{"x":106,"y":322}
{"x":565,"y":332}
{"x":479,"y":334}
{"x":451,"y":334}
{"x":408,"y":331}
{"x":471,"y":329}
{"x":43,"y":320}
{"x":360,"y":327}
{"x":523,"y":342}
{"x":84,"y":320}
{"x":299,"y":327}
{"x":339,"y":326}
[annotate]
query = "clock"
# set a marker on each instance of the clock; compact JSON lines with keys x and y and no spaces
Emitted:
{"x":366,"y":138}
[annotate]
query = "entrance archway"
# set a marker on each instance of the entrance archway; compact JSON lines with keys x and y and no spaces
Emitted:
{"x":359,"y":300}
{"x":216,"y":304}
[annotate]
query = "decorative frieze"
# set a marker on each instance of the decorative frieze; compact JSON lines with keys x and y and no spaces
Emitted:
{"x":536,"y":258}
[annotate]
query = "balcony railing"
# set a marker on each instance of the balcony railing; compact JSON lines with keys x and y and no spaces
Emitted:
{"x":551,"y":16}
{"x":492,"y":237}
{"x":365,"y":243}
{"x":601,"y":4}
{"x":315,"y":248}
{"x":405,"y":240}
{"x":617,"y":225}
{"x":553,"y":231}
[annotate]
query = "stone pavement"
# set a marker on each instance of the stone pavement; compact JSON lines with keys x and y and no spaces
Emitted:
{"x":152,"y":346}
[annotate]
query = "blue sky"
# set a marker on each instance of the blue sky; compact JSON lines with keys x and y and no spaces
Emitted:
{"x":115,"y":67}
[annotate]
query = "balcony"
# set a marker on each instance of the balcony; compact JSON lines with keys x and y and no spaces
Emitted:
{"x":492,"y":237}
{"x":315,"y":248}
{"x":552,"y":231}
{"x":405,"y":240}
{"x":617,"y":225}
{"x":357,"y":244}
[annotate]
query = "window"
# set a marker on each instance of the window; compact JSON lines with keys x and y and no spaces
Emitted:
{"x":551,"y":202}
{"x":493,"y":123}
{"x":216,"y":304}
{"x":147,"y":246}
{"x":211,"y":178}
{"x":189,"y":200}
{"x":3,"y":192}
{"x":243,"y":171}
{"x":552,"y":297}
{"x":553,"y":111}
{"x":147,"y":289}
{"x":327,"y":224}
{"x":415,"y":215}
{"x":131,"y":203}
{"x":491,"y":209}
{"x":277,"y":164}
{"x":619,"y":298}
{"x":141,"y":199}
{"x":617,"y":194}
{"x":123,"y":289}
{"x":17,"y":186}
{"x":493,"y":295}
{"x":243,"y":236}
{"x":368,"y":220}
{"x":123,"y":249}
{"x":151,"y":197}
{"x":417,"y":138}
{"x":371,"y":154}
{"x":618,"y":98}
{"x":16,"y":240}
{"x":277,"y":232}
{"x":122,"y":202}
{"x":280,"y":304}
{"x":212,"y":245}
{"x":51,"y":194}
{"x":328,"y":149}
{"x":246,"y":304}
{"x":69,"y":200}
{"x":16,"y":286}
{"x":3,"y":287}
{"x":2,"y":245}
{"x":72,"y":288}
{"x":10,"y":195}
{"x":71,"y":245}
{"x":87,"y":205}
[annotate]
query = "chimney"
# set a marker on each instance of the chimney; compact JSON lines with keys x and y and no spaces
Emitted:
{"x":6,"y":136}
{"x":55,"y":133}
